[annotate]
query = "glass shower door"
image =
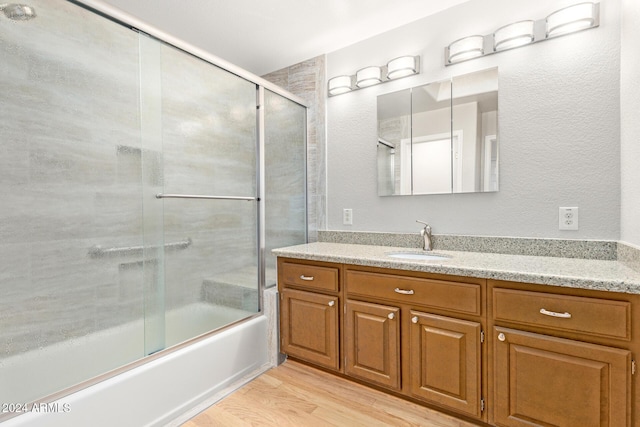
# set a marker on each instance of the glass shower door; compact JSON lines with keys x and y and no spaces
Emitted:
{"x":285,"y":182}
{"x":207,"y":121}
{"x":71,"y":300}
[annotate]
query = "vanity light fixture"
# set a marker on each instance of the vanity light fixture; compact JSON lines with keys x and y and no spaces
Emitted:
{"x":369,"y":76}
{"x":465,"y":48}
{"x":571,"y":19}
{"x":580,"y":16}
{"x":513,"y":35}
{"x":402,"y":67}
{"x":340,"y":84}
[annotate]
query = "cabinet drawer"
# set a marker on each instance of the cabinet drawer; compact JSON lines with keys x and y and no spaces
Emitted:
{"x":309,"y":276}
{"x":452,"y":296}
{"x":593,"y":316}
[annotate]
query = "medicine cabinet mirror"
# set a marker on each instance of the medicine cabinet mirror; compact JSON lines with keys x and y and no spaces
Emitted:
{"x":440,"y":138}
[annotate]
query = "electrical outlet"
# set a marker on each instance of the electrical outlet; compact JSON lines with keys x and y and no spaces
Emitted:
{"x":347,"y":216}
{"x":568,"y":219}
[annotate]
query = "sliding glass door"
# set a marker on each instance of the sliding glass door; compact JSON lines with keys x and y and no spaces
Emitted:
{"x":205,"y":125}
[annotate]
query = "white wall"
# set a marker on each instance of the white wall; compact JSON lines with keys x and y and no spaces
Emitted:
{"x":630,"y":122}
{"x":559,"y":124}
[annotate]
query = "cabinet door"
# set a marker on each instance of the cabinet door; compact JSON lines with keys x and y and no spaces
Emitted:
{"x":372,"y":341}
{"x":446,"y":362}
{"x":542,"y":381}
{"x":309,"y":327}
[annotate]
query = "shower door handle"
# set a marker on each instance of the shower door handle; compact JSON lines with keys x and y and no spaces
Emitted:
{"x":201,"y":196}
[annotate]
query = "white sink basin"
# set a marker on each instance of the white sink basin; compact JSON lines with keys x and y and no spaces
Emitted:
{"x":417,"y":256}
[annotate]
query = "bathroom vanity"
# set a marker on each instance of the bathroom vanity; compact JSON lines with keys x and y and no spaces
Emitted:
{"x":507,"y":340}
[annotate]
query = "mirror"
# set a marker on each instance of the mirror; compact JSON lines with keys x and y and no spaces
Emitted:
{"x":440,"y":138}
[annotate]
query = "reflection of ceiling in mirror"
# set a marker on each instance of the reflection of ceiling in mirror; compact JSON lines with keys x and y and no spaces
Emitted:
{"x":440,"y":91}
{"x":475,"y":83}
{"x":395,"y":104}
{"x":486,"y":101}
{"x":480,"y":86}
{"x":433,"y":96}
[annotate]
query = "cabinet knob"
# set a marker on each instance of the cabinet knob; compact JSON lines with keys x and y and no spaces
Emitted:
{"x":501,"y":337}
{"x":414,"y":319}
{"x":307,"y":278}
{"x":391,"y":316}
{"x":332,"y":303}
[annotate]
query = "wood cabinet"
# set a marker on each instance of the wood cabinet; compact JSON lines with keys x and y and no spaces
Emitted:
{"x":445,"y":365}
{"x":504,"y":353}
{"x":439,"y":320}
{"x":310,"y":327}
{"x":310,"y":312}
{"x":561,"y":357}
{"x":372,"y":343}
{"x":542,"y":380}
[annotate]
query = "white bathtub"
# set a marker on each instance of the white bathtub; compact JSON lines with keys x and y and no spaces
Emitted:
{"x":152,"y":394}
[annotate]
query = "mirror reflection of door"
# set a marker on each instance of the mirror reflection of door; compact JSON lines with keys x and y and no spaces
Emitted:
{"x":490,"y":166}
{"x":433,"y":160}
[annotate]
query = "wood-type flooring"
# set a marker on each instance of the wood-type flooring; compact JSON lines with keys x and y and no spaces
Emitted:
{"x":295,"y":394}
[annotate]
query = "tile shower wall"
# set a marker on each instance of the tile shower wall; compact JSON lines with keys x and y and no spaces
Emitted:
{"x":69,"y":177}
{"x":209,"y":145}
{"x":307,"y":80}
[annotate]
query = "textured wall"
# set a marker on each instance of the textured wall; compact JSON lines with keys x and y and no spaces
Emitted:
{"x":630,"y":123}
{"x":558,"y":122}
{"x":307,"y":80}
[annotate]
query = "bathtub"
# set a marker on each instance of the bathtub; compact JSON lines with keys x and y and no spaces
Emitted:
{"x":154,"y":393}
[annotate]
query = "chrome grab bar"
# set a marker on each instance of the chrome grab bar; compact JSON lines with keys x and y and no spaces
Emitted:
{"x":198,"y":196}
{"x":98,"y":251}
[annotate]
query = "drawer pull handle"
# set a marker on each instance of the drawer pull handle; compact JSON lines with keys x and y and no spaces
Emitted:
{"x":501,"y":337}
{"x":307,"y":278}
{"x":564,"y":315}
{"x":414,"y":319}
{"x":391,"y":316}
{"x":404,"y":291}
{"x":332,"y":303}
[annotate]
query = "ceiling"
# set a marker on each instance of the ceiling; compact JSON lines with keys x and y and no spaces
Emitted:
{"x":266,"y":35}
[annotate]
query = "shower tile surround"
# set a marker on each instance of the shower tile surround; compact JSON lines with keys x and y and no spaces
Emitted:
{"x":73,"y":181}
{"x":62,"y":195}
{"x":89,"y":195}
{"x":307,"y":80}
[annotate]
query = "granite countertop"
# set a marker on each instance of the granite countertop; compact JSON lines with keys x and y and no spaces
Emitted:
{"x":568,"y":272}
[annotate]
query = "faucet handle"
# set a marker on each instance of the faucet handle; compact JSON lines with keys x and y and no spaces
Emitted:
{"x":422,"y":222}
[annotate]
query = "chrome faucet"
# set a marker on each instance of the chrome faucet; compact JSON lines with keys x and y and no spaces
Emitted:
{"x":427,"y":243}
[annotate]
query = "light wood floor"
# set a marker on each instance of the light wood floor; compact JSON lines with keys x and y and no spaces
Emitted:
{"x":297,"y":395}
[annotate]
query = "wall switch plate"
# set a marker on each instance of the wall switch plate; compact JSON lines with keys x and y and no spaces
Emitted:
{"x":347,"y":216}
{"x":568,"y":218}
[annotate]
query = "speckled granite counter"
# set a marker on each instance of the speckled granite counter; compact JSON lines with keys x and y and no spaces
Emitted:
{"x":568,"y":272}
